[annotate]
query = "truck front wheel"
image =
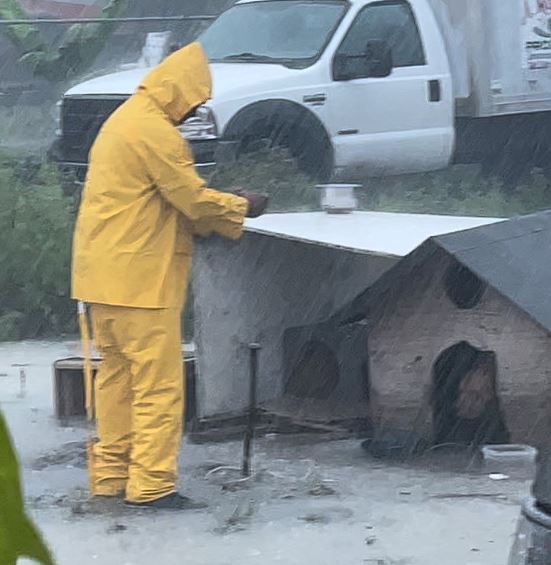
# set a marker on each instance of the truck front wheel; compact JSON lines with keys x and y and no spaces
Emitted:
{"x":283,"y":124}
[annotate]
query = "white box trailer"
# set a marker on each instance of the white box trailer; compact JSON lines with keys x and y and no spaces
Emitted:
{"x":499,"y":54}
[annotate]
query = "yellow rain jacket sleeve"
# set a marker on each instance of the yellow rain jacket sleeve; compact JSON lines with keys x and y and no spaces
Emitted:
{"x":143,"y":200}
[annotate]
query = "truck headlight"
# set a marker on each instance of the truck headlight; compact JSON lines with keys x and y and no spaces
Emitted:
{"x":202,"y":126}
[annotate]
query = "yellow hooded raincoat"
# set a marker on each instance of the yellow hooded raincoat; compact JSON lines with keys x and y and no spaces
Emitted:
{"x":143,"y":199}
{"x":142,"y":203}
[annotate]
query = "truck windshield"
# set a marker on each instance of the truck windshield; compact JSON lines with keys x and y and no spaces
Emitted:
{"x":287,"y":32}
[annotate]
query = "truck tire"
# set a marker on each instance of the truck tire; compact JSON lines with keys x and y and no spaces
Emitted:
{"x":284,"y":124}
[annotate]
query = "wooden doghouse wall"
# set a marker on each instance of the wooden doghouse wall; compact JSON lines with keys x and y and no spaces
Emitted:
{"x":422,"y":322}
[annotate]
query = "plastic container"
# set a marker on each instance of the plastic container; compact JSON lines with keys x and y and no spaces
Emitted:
{"x":514,"y":460}
{"x":338,"y":198}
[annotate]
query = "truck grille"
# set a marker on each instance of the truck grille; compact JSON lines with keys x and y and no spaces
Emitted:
{"x":81,"y":120}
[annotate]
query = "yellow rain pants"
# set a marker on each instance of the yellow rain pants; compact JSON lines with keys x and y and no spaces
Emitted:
{"x":139,"y":402}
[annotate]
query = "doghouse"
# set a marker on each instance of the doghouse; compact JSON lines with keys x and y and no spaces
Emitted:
{"x":459,"y":344}
{"x":278,"y":286}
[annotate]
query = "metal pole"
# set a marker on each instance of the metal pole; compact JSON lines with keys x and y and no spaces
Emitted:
{"x":22,"y":383}
{"x":39,"y":21}
{"x":22,"y":379}
{"x":254,"y":348}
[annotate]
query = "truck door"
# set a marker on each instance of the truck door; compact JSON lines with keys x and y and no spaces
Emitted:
{"x":402,"y":122}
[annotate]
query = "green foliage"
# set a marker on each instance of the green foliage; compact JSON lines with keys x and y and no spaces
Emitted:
{"x":460,"y":190}
{"x":36,"y":223}
{"x":18,"y":537}
{"x":457,"y":191}
{"x":25,"y":37}
{"x":272,"y":172}
{"x":75,"y":52}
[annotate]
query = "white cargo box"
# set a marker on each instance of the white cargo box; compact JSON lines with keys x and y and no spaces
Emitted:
{"x":500,"y":54}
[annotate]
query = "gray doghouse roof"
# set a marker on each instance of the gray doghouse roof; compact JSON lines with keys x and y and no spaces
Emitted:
{"x":513,"y":256}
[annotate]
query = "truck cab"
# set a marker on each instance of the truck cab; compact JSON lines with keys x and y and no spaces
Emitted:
{"x":350,"y":87}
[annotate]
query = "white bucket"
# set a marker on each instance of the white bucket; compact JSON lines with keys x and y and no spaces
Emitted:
{"x":515,"y":460}
{"x":338,"y":198}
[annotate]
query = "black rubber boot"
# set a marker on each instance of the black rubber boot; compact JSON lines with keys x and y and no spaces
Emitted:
{"x":172,"y":501}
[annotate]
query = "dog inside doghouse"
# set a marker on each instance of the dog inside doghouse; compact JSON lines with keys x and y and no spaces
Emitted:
{"x":465,"y":402}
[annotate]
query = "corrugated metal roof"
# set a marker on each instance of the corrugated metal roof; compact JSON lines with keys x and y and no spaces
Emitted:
{"x":378,"y":233}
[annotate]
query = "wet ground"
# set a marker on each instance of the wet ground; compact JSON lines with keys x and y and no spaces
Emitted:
{"x":310,"y":502}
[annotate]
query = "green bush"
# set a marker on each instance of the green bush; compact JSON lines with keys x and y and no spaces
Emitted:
{"x":461,"y":190}
{"x":36,"y":223}
{"x":272,"y":172}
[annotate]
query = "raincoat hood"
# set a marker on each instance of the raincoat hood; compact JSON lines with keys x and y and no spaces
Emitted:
{"x":180,"y":83}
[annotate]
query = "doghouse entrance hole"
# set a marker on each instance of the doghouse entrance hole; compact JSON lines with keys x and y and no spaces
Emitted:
{"x":465,"y":403}
{"x":463,"y":287}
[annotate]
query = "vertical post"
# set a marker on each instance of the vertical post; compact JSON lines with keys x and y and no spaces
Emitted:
{"x":22,"y":379}
{"x":85,"y":343}
{"x":254,"y":348}
{"x":22,"y":382}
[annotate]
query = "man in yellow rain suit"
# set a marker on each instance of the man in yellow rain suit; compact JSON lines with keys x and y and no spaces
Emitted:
{"x":142,"y":204}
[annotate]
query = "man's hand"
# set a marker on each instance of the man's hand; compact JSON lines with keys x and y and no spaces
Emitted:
{"x":257,"y":202}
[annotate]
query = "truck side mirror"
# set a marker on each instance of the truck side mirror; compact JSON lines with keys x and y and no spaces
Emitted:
{"x":376,"y":62}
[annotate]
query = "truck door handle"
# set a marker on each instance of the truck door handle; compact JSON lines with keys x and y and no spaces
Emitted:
{"x":435,"y":91}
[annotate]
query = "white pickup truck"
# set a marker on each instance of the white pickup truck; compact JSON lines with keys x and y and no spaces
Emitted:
{"x":360,"y":87}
